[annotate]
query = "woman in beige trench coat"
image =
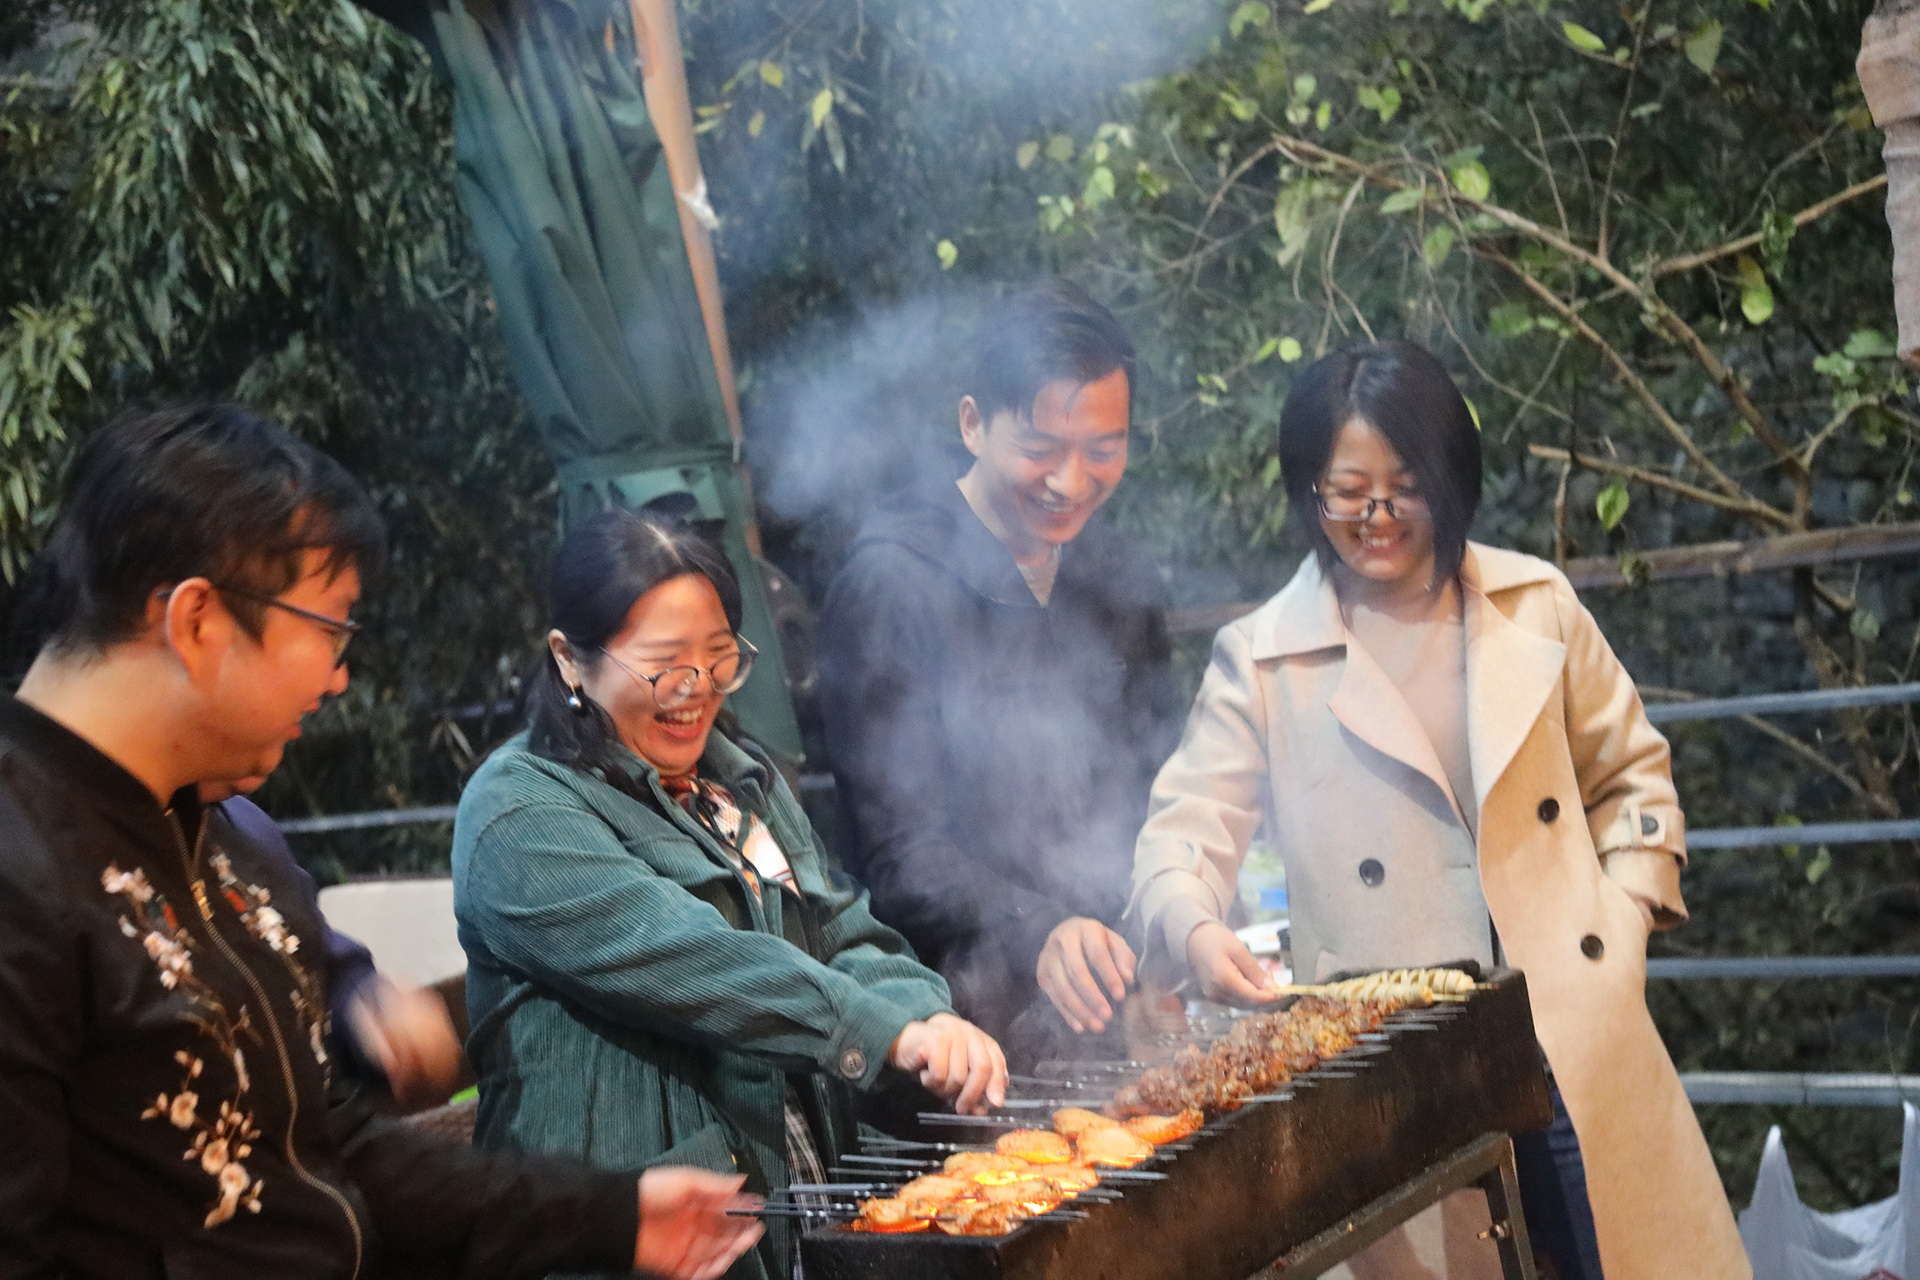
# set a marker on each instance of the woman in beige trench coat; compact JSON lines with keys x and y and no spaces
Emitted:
{"x":1452,"y":763}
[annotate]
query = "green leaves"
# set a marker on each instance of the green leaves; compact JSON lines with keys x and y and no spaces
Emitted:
{"x":1291,"y":221}
{"x":1611,"y":506}
{"x":773,"y":74}
{"x":1402,"y":200}
{"x":1870,"y":344}
{"x":1756,"y":295}
{"x":1099,"y":188}
{"x":1471,"y":179}
{"x":822,"y":107}
{"x":1384,"y":101}
{"x":947,"y":253}
{"x":1510,"y":320}
{"x":1703,"y":46}
{"x":1250,"y":14}
{"x":1437,"y":245}
{"x":1582,"y":39}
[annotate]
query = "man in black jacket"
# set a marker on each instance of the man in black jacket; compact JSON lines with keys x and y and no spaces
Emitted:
{"x":995,"y":676}
{"x":165,"y":1088}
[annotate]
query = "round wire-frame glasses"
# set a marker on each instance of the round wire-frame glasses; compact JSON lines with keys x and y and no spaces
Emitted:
{"x":681,"y":683}
{"x":1356,"y":508}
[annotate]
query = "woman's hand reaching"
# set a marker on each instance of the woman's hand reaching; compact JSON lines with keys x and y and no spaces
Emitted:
{"x":1083,"y":968}
{"x":955,"y":1059}
{"x":1226,"y":970}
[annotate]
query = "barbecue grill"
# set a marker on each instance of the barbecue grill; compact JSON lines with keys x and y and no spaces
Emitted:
{"x":1306,"y":1175}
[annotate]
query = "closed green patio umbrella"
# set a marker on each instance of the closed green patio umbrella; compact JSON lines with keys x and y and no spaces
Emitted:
{"x":565,"y":181}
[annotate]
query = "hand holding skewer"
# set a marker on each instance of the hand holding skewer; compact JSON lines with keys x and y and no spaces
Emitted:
{"x":955,"y":1059}
{"x":1225,"y":967}
{"x":691,"y":1226}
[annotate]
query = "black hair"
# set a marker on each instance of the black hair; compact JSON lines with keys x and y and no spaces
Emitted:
{"x":200,"y":490}
{"x":1405,"y":394}
{"x":602,"y":566}
{"x":1051,"y":331}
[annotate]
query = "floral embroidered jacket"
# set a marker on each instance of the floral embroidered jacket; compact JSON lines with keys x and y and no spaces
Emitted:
{"x":167,"y":1104}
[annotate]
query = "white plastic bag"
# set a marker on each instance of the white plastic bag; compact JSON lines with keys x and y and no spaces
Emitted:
{"x":1788,"y":1241}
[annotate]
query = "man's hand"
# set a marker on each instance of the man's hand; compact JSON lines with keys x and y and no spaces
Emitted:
{"x":1083,"y":965}
{"x":406,"y":1031}
{"x":954,"y":1059}
{"x":1226,"y":969}
{"x":685,"y":1230}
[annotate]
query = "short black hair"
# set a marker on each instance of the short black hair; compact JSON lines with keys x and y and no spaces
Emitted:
{"x":1051,"y":331}
{"x":604,"y":564}
{"x":200,"y":490}
{"x":1406,"y":394}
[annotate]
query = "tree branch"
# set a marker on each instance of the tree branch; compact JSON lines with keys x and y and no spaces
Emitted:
{"x":1750,"y":508}
{"x":1725,"y":483}
{"x":1811,"y":213}
{"x":1308,"y":153}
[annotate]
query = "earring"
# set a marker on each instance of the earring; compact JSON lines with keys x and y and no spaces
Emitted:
{"x":575,"y":703}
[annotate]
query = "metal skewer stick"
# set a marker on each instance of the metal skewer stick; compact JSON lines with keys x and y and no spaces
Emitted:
{"x":948,"y":1117}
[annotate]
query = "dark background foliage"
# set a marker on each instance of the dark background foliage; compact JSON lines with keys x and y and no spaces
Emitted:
{"x":255,"y":200}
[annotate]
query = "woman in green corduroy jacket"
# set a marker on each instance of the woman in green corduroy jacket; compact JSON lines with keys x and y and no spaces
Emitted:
{"x":661,"y":968}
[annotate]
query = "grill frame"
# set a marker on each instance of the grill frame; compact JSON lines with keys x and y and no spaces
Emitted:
{"x":1263,"y":1180}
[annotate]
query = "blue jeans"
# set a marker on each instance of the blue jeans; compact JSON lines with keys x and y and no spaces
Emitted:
{"x":1553,"y":1195}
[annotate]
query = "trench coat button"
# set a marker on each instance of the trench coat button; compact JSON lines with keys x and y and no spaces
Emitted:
{"x":1372,"y":873}
{"x":1591,"y":947}
{"x":1549,"y":809}
{"x":853,"y":1064}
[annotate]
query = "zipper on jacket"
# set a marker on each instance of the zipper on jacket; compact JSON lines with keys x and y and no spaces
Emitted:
{"x":190,"y":860}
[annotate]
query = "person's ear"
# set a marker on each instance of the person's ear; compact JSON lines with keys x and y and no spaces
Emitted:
{"x":973,"y":427}
{"x":195,"y":625}
{"x":563,"y":657}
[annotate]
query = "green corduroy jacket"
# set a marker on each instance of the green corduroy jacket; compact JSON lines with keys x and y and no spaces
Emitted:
{"x":634,"y":1003}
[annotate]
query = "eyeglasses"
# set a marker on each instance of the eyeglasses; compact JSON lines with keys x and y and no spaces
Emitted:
{"x":1354,"y":508}
{"x":682,"y":683}
{"x":339,"y":630}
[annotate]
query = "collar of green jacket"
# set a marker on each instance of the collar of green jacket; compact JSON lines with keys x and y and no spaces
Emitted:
{"x":742,"y":768}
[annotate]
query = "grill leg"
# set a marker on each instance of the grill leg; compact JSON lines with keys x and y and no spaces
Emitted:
{"x":1486,"y":1162}
{"x":1502,"y":1185}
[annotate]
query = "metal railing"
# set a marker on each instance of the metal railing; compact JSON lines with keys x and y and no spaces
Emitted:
{"x":1703,"y":1087}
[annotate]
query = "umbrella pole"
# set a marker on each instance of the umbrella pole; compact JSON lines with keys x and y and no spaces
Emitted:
{"x":663,"y":78}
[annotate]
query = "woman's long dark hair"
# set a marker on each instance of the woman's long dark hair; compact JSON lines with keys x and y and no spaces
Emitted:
{"x":604,"y":564}
{"x":1408,"y":397}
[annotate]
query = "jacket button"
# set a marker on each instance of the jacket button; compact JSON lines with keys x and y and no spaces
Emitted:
{"x":1591,"y":947}
{"x":1549,"y":809}
{"x":1372,"y":873}
{"x":853,"y":1064}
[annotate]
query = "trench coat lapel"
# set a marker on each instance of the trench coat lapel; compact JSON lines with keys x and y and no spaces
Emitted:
{"x":1511,"y":672}
{"x":1366,"y":703}
{"x":1371,"y":707}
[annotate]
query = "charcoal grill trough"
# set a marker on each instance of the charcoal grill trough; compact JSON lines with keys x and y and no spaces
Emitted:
{"x":1335,"y":1157}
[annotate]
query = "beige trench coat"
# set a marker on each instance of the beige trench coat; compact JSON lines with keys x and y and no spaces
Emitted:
{"x":1577,"y":817}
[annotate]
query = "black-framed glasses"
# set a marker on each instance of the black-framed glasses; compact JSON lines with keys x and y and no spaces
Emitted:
{"x":677,"y":686}
{"x":340,"y":631}
{"x":1355,"y":508}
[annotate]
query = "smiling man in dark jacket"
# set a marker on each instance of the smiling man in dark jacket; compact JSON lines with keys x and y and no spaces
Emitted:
{"x":995,"y":674}
{"x":166,"y":1093}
